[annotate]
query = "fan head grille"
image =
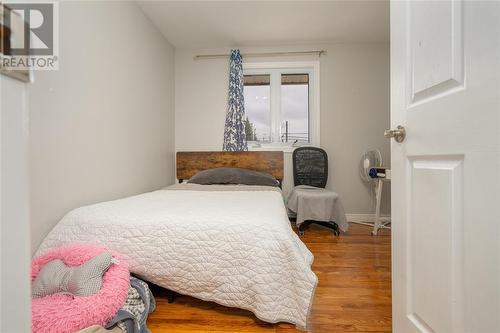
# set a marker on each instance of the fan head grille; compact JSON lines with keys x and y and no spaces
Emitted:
{"x":370,"y":159}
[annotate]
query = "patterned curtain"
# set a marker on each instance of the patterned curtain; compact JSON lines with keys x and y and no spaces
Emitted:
{"x":234,"y":131}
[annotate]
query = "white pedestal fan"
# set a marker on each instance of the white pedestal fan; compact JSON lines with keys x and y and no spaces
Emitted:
{"x":371,"y":170}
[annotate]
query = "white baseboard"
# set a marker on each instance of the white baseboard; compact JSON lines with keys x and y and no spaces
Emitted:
{"x":366,"y":218}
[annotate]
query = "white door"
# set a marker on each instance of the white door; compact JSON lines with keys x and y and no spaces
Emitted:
{"x":445,"y":90}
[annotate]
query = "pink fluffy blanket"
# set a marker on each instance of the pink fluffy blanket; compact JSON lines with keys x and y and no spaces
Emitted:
{"x":65,"y":313}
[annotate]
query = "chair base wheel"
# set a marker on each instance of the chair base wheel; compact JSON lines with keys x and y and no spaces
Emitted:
{"x":330,"y":225}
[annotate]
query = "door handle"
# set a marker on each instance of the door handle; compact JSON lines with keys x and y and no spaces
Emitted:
{"x":399,"y":134}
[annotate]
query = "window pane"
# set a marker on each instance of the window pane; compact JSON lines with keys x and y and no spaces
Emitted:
{"x":257,"y":92}
{"x":295,"y":108}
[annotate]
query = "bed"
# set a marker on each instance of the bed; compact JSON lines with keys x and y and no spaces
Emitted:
{"x":230,"y":244}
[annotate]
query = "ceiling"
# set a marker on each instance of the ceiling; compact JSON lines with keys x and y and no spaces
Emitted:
{"x":209,"y":24}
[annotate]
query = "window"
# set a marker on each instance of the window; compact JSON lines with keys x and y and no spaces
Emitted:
{"x":257,"y":94}
{"x":295,"y":108}
{"x":281,"y":102}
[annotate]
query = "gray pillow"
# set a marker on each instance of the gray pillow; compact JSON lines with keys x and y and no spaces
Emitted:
{"x":233,"y":176}
{"x":83,"y":280}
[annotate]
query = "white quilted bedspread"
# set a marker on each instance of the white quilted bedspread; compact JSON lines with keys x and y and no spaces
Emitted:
{"x":235,"y":248}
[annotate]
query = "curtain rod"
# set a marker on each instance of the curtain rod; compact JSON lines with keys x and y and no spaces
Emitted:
{"x":268,"y":54}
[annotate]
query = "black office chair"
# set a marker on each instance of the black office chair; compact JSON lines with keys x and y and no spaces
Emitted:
{"x":310,"y":167}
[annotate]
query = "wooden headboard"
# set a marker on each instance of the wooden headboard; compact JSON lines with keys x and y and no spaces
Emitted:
{"x":189,"y":163}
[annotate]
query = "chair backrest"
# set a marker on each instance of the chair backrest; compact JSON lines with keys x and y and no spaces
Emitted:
{"x":310,"y":166}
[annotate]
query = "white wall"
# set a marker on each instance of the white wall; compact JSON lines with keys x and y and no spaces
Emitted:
{"x":15,"y":255}
{"x":102,"y":127}
{"x":354,"y":108}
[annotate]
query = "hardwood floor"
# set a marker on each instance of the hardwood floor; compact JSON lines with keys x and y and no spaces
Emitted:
{"x":353,"y":294}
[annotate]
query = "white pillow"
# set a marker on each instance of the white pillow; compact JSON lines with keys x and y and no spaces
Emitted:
{"x":83,"y":280}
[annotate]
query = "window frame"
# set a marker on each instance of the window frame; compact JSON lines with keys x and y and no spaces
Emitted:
{"x":275,"y":69}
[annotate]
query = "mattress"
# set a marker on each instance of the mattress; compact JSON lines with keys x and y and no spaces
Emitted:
{"x":232,"y":245}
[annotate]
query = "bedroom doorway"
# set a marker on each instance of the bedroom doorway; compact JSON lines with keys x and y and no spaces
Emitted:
{"x":445,"y":83}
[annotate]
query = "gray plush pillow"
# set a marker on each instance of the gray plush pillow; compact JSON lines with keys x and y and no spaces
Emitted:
{"x":233,"y":176}
{"x":83,"y":280}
